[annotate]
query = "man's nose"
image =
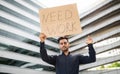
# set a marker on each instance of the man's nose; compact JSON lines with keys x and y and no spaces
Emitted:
{"x":63,"y":44}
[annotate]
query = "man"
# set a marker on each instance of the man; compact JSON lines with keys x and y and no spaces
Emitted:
{"x":66,"y":63}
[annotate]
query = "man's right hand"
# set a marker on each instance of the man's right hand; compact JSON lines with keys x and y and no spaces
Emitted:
{"x":42,"y":37}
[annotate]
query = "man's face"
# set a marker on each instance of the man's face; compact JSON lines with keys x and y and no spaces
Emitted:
{"x":64,"y":45}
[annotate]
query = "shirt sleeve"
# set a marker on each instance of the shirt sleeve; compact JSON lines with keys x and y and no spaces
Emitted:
{"x":45,"y":57}
{"x":90,"y":58}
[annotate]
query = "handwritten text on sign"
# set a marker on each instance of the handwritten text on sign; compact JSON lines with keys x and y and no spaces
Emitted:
{"x":60,"y":21}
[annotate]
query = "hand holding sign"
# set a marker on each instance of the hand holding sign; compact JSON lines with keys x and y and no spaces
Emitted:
{"x":60,"y":21}
{"x":42,"y":37}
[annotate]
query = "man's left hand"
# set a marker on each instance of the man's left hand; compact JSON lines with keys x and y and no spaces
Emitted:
{"x":89,"y":40}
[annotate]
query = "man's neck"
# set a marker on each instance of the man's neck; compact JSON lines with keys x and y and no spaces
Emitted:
{"x":66,"y":53}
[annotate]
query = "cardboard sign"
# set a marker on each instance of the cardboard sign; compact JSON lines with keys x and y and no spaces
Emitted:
{"x":60,"y":21}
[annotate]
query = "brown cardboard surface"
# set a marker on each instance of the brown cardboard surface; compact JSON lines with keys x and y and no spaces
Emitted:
{"x":60,"y":21}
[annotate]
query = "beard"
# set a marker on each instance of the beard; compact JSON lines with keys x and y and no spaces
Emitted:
{"x":64,"y":49}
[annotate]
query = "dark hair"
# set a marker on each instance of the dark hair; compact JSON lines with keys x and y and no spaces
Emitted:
{"x":60,"y":38}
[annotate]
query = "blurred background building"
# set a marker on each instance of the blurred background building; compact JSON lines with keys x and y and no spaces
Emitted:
{"x":20,"y":28}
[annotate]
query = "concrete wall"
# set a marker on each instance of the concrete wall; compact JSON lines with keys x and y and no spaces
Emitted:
{"x":17,"y":70}
{"x":115,"y":71}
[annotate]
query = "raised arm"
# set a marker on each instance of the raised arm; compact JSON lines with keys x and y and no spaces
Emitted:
{"x":45,"y":57}
{"x":92,"y":53}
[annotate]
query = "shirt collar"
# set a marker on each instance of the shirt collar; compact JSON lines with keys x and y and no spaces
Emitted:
{"x":65,"y":55}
